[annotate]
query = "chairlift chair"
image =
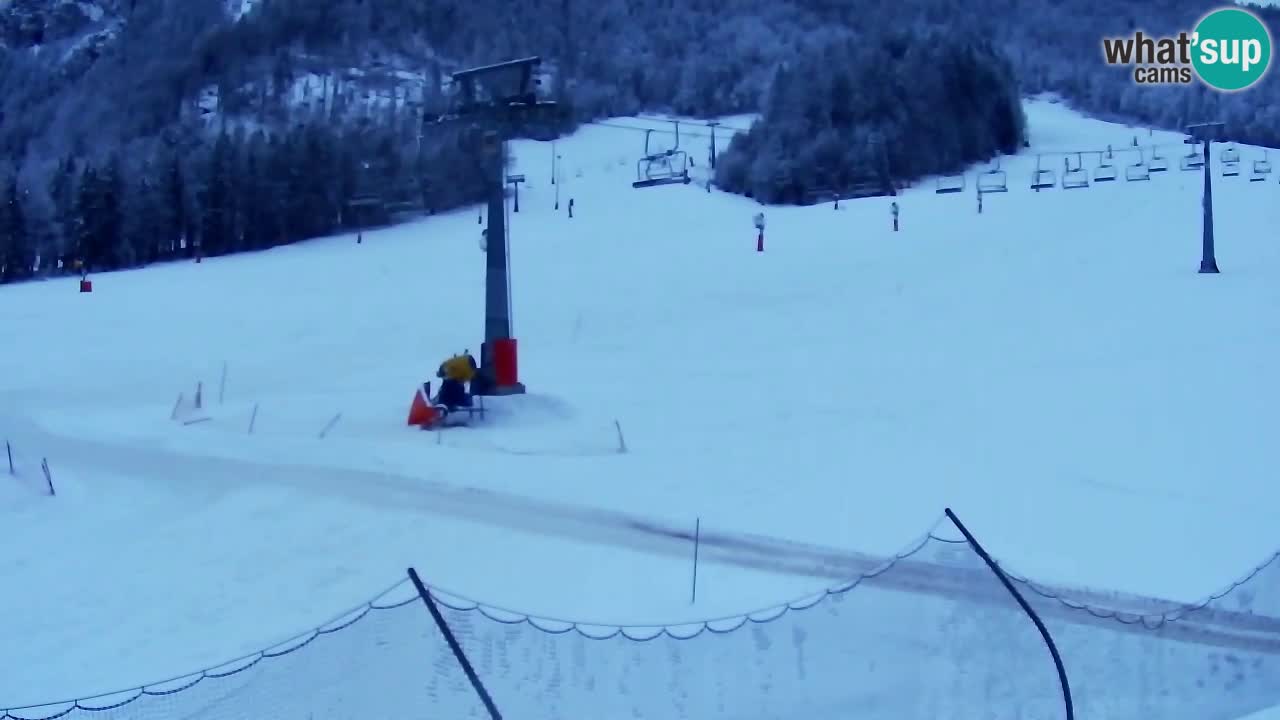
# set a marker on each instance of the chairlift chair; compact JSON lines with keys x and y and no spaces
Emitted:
{"x":662,"y":170}
{"x":993,"y":180}
{"x":1193,"y":160}
{"x":1105,"y":172}
{"x":1261,"y":168}
{"x":1074,"y":178}
{"x":1158,"y":162}
{"x":1137,"y":172}
{"x":668,"y":167}
{"x":1042,"y":179}
{"x":1230,"y":159}
{"x":950,"y":184}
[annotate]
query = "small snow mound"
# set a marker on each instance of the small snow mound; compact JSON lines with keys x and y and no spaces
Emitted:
{"x":529,"y":408}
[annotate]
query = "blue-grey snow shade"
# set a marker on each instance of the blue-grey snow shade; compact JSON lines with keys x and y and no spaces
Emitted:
{"x":930,"y":635}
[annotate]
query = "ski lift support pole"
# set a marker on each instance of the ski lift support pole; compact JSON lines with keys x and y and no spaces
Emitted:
{"x":509,"y":99}
{"x":1207,"y":133}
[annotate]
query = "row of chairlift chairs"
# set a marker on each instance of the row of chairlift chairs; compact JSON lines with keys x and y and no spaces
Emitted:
{"x":671,"y":165}
{"x":995,"y":179}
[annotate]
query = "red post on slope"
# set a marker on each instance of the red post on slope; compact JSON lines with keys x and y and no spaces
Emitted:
{"x":86,"y":286}
{"x":506,"y":369}
{"x":760,"y":242}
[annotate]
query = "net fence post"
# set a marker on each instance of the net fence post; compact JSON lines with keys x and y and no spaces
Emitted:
{"x":453,"y":645}
{"x":1044,"y":631}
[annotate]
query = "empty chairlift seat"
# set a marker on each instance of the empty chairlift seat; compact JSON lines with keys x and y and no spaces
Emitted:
{"x":1192,"y":161}
{"x":950,"y":184}
{"x":1157,"y":164}
{"x":1230,"y":162}
{"x":1042,"y":180}
{"x":1137,"y":172}
{"x":1075,"y":178}
{"x":1261,"y":169}
{"x":662,"y":167}
{"x":662,"y":170}
{"x":1106,"y":172}
{"x":993,"y":181}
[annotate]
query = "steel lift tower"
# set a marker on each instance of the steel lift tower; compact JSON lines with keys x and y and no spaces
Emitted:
{"x":1205,"y":134}
{"x":493,"y":102}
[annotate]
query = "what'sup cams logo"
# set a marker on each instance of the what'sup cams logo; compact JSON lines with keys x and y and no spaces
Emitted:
{"x":1229,"y":50}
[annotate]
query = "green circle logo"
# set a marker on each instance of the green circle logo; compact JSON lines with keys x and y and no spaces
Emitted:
{"x":1231,"y":49}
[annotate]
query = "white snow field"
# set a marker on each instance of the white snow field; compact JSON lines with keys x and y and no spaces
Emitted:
{"x":1054,"y":369}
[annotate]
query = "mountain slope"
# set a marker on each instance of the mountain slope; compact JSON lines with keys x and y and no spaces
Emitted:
{"x":1030,"y":366}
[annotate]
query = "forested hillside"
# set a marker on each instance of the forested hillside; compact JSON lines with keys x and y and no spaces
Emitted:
{"x":135,"y":130}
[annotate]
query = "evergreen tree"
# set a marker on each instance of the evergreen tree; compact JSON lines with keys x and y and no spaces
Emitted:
{"x":117,"y":252}
{"x":851,"y":112}
{"x":17,"y":253}
{"x":280,"y":174}
{"x":217,"y":208}
{"x":254,"y":196}
{"x":145,"y":215}
{"x":65,"y":220}
{"x":179,"y":225}
{"x":99,"y":243}
{"x":291,"y":168}
{"x":8,"y":244}
{"x":89,"y":250}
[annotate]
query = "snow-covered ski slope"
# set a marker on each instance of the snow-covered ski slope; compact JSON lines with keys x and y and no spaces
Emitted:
{"x":1053,"y":369}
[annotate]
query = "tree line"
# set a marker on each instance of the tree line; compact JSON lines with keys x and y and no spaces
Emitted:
{"x":241,"y":191}
{"x":114,"y":128}
{"x":850,"y":113}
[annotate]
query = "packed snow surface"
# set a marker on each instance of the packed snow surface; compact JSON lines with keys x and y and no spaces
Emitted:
{"x":1053,"y":369}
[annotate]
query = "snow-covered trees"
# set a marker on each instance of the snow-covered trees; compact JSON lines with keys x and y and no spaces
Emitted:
{"x":299,"y":165}
{"x":868,"y":109}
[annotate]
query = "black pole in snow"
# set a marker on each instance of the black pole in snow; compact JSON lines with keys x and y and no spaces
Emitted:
{"x":1044,"y":632}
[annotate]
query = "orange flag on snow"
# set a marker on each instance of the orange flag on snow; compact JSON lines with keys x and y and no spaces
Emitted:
{"x":421,"y":413}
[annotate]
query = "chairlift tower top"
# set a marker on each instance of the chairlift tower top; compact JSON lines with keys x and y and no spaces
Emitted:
{"x":1202,"y":132}
{"x":497,"y":86}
